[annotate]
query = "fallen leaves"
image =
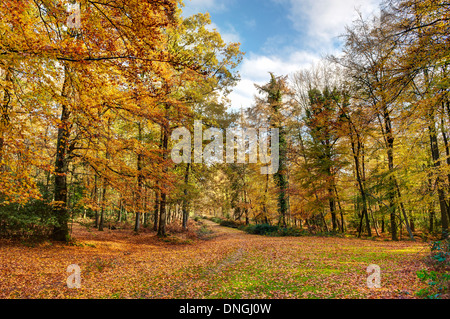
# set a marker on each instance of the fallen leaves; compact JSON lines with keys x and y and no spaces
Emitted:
{"x":232,"y":264}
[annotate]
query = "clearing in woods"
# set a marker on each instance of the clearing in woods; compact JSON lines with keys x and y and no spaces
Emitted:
{"x":227,"y":264}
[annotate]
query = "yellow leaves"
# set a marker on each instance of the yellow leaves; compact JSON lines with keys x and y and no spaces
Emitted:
{"x":231,"y":264}
{"x":17,"y":188}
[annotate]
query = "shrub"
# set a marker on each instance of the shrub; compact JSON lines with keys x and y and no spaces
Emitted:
{"x":290,"y":232}
{"x":261,"y":229}
{"x":270,"y":230}
{"x":230,"y":223}
{"x":216,"y":220}
{"x":438,"y":277}
{"x":32,"y":220}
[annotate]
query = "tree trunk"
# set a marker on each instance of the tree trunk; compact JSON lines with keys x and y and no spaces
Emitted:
{"x":140,"y":182}
{"x":332,"y":204}
{"x":157,"y":203}
{"x":447,"y":153}
{"x":185,"y":200}
{"x":95,"y":199}
{"x":102,"y":212}
{"x":356,"y":149}
{"x":119,"y":213}
{"x":264,"y":205}
{"x":402,"y":207}
{"x":436,"y":164}
{"x":4,"y":116}
{"x":432,"y":216}
{"x":389,"y":138}
{"x":162,"y":207}
{"x":105,"y":181}
{"x":162,"y":216}
{"x":155,"y":211}
{"x":60,"y":211}
{"x":340,"y":209}
{"x":280,"y":177}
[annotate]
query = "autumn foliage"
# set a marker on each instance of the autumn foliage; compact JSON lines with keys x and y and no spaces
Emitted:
{"x":91,"y":92}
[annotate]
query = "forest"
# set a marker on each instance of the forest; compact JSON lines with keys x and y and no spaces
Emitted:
{"x":91,"y":102}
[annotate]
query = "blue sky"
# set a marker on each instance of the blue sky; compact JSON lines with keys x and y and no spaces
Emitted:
{"x":280,"y":36}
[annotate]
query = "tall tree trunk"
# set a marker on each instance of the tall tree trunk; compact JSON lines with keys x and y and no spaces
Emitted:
{"x":436,"y":164}
{"x":95,"y":199}
{"x":432,"y":216}
{"x":162,"y":207}
{"x":356,"y":150}
{"x":340,"y":209}
{"x":140,"y":182}
{"x":156,"y":211}
{"x":332,"y":201}
{"x":162,"y":215}
{"x":275,"y":100}
{"x":105,"y":181}
{"x":373,"y":221}
{"x":145,"y":199}
{"x":185,"y":200}
{"x":264,"y":204}
{"x":405,"y":216}
{"x":157,"y":204}
{"x":4,"y":116}
{"x":61,"y":230}
{"x":389,"y":138}
{"x":119,"y":214}
{"x":280,"y":177}
{"x":103,"y":208}
{"x":324,"y":221}
{"x":447,"y":153}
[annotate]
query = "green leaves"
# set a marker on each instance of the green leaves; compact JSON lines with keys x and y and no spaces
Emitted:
{"x":438,"y":278}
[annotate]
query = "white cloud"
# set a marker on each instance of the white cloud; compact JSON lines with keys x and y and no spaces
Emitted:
{"x":320,"y":22}
{"x":255,"y":70}
{"x":325,"y":20}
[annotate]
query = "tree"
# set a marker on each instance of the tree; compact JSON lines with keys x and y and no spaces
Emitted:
{"x":369,"y":53}
{"x":275,"y":91}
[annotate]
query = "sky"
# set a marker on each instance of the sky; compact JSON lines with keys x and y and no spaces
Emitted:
{"x":279,"y":36}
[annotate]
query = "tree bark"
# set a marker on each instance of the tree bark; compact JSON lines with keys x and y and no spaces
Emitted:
{"x":185,"y":200}
{"x":389,"y":137}
{"x":436,"y":164}
{"x":4,"y":117}
{"x":95,"y":199}
{"x":447,"y":153}
{"x":405,"y":216}
{"x":340,"y":209}
{"x":162,"y":206}
{"x":356,"y":150}
{"x":102,"y":211}
{"x":140,"y":182}
{"x":156,"y":211}
{"x":61,"y":230}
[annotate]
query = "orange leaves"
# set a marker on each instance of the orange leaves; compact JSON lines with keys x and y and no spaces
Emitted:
{"x":231,"y":264}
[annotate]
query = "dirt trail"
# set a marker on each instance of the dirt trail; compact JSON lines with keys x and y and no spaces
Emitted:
{"x":232,"y":264}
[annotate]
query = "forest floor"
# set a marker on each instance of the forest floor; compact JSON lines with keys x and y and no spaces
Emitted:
{"x":224,"y":263}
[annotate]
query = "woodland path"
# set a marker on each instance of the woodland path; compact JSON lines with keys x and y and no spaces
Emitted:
{"x":229,"y":264}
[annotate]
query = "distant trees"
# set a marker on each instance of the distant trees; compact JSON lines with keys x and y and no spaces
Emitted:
{"x":365,"y":134}
{"x":87,"y":114}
